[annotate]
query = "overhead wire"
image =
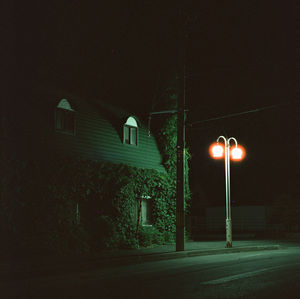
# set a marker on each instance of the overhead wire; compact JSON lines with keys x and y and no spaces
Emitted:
{"x":233,"y":115}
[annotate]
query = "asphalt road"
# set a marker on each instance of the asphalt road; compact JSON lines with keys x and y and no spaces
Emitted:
{"x":261,"y":274}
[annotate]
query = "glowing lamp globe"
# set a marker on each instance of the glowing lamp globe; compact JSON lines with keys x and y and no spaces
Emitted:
{"x":237,"y":153}
{"x":216,"y":151}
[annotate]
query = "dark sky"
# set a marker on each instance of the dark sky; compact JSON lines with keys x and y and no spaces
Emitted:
{"x":241,"y":55}
{"x":239,"y":52}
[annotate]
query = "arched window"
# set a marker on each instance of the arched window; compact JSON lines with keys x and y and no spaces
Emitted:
{"x":65,"y":117}
{"x":131,"y":131}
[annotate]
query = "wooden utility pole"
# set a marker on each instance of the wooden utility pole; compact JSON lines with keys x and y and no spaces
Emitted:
{"x":180,"y":221}
{"x":180,"y":192}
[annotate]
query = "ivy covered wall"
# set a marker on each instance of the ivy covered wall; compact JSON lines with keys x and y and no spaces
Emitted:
{"x":40,"y":199}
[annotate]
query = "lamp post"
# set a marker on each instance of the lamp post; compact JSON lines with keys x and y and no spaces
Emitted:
{"x":217,"y":151}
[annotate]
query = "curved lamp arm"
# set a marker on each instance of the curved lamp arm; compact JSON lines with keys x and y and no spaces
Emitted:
{"x":232,"y":138}
{"x":221,"y":137}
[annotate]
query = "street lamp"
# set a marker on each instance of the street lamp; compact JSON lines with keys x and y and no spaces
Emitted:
{"x":218,"y":151}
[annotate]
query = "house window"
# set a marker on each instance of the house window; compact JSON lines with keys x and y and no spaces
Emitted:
{"x":65,"y":118}
{"x":144,"y":210}
{"x":131,"y":132}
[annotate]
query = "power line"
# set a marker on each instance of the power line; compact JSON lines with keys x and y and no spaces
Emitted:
{"x":236,"y":114}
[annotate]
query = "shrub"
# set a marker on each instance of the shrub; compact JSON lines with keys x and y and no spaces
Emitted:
{"x":149,"y":235}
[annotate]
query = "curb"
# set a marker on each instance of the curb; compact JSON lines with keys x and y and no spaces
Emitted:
{"x":190,"y":253}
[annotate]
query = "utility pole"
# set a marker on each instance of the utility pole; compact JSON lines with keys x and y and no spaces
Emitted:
{"x":180,"y":221}
{"x":180,"y":192}
{"x":180,"y":182}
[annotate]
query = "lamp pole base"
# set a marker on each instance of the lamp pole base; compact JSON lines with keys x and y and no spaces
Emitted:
{"x":228,"y":245}
{"x":228,"y":233}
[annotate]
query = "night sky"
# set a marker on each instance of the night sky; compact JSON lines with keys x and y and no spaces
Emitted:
{"x":241,"y":55}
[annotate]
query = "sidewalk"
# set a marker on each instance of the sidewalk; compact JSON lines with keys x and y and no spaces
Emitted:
{"x":51,"y":265}
{"x":191,"y":249}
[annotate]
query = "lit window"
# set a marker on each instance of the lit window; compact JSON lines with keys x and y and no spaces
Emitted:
{"x":144,"y":210}
{"x":65,"y":118}
{"x":131,"y":132}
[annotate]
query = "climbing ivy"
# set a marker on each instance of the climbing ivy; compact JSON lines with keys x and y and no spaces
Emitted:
{"x":168,"y":141}
{"x":38,"y":209}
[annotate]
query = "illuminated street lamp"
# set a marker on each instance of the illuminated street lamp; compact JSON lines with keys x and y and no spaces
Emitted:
{"x":218,"y":151}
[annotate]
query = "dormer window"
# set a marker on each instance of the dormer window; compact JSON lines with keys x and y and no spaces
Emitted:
{"x":131,"y":132}
{"x":65,"y":118}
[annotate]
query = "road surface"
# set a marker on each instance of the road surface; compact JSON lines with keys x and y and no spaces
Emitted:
{"x":260,"y":274}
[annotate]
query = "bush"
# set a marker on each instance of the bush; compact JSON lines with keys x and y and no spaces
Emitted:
{"x":149,"y":235}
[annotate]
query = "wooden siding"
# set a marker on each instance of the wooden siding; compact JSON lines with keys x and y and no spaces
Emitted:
{"x":97,"y":139}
